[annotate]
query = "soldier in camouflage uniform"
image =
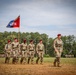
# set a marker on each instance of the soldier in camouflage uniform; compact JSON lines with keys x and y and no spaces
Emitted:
{"x":58,"y":47}
{"x":23,"y":51}
{"x":40,"y":51}
{"x":31,"y":52}
{"x":15,"y":46}
{"x":8,"y":48}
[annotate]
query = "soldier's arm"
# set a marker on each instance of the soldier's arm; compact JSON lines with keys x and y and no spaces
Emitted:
{"x":54,"y":44}
{"x":43,"y":49}
{"x":5,"y":47}
{"x":62,"y":46}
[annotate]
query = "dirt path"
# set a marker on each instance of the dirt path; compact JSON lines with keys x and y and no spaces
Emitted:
{"x":45,"y":69}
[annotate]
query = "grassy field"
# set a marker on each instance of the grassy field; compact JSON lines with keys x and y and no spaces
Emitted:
{"x":68,"y":67}
{"x":50,"y":60}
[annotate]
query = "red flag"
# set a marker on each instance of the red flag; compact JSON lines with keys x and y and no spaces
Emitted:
{"x":14,"y":23}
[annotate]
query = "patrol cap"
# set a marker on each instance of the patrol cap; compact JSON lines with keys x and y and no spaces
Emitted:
{"x":59,"y":35}
{"x":31,"y":40}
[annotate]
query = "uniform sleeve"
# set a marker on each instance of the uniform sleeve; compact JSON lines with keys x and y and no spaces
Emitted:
{"x":62,"y":45}
{"x":54,"y":44}
{"x":5,"y":47}
{"x":43,"y":49}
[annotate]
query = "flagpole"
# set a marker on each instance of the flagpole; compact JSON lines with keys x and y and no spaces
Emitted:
{"x":19,"y":30}
{"x":19,"y":34}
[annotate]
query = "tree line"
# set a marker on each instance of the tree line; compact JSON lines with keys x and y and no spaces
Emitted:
{"x":68,"y":41}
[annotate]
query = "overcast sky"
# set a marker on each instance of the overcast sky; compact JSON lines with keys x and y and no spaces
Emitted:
{"x":43,"y":16}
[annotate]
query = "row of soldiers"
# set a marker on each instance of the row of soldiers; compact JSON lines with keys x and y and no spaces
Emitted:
{"x":26,"y":52}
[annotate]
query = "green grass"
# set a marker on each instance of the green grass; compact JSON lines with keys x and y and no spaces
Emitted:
{"x":50,"y":60}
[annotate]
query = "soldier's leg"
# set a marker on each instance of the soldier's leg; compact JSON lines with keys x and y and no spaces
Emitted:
{"x":9,"y":55}
{"x":17,"y":56}
{"x":6,"y":57}
{"x":58,"y":61}
{"x":29,"y":59}
{"x":41,"y":58}
{"x":13,"y":60}
{"x":32,"y":57}
{"x":38,"y":57}
{"x":25,"y":57}
{"x":55,"y":61}
{"x":21,"y":61}
{"x":14,"y":57}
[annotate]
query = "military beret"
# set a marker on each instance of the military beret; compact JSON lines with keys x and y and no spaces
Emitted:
{"x":9,"y":41}
{"x":15,"y":38}
{"x":59,"y":35}
{"x":24,"y":40}
{"x":31,"y":40}
{"x":40,"y":40}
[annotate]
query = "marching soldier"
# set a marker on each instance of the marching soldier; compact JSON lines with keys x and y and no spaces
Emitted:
{"x":40,"y":51}
{"x":15,"y":46}
{"x":8,"y":48}
{"x":31,"y":51}
{"x":23,"y":52}
{"x":58,"y":47}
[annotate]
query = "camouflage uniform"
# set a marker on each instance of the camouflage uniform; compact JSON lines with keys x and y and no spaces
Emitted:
{"x":58,"y":46}
{"x":8,"y":48}
{"x":31,"y":52}
{"x":15,"y":51}
{"x":40,"y":52}
{"x":23,"y":52}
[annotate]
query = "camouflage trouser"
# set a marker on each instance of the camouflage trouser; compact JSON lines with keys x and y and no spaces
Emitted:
{"x":58,"y":56}
{"x":40,"y":56}
{"x":7,"y":56}
{"x":15,"y":55}
{"x":31,"y":56}
{"x":23,"y":56}
{"x":58,"y":53}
